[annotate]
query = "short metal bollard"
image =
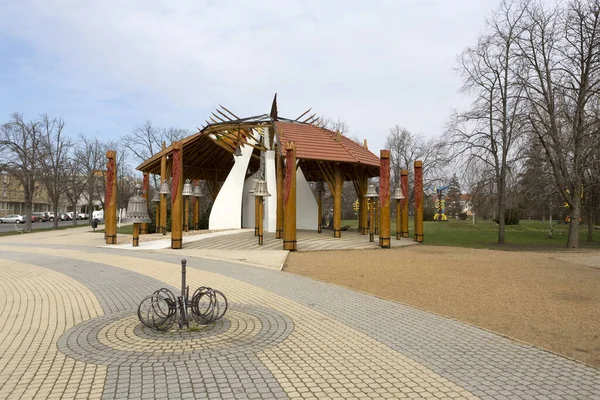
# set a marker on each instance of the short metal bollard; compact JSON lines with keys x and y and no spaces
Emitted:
{"x":94,"y":224}
{"x":162,"y":309}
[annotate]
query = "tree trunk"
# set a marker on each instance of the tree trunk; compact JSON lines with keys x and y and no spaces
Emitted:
{"x":573,"y":240}
{"x":28,"y":197}
{"x":55,"y":210}
{"x":590,"y":226}
{"x":74,"y":206}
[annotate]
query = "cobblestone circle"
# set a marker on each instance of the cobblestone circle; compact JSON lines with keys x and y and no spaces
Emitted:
{"x":120,"y":338}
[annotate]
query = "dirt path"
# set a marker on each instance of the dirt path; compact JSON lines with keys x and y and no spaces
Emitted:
{"x":551,"y":300}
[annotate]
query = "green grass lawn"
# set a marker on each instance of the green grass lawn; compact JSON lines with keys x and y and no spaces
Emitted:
{"x":124,"y":230}
{"x":527,"y":235}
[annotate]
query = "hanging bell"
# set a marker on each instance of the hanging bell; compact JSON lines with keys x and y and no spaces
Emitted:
{"x":165,"y":188}
{"x":137,"y":209}
{"x":261,"y":189}
{"x":253,"y":187}
{"x":187,"y":188}
{"x":319,"y":187}
{"x":156,"y":197}
{"x":398,"y":195}
{"x":197,"y":191}
{"x":371,"y":192}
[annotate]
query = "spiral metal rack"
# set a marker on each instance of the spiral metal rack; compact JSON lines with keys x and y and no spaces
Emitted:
{"x":162,"y":309}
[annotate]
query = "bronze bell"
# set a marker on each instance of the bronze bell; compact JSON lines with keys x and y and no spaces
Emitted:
{"x":156,"y":197}
{"x":371,"y":192}
{"x":165,"y":188}
{"x":187,"y":188}
{"x":137,"y":209}
{"x":261,"y":189}
{"x":253,"y":187}
{"x":398,"y":195}
{"x":197,"y":191}
{"x":319,"y":187}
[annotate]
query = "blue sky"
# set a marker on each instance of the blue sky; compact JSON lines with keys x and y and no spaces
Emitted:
{"x":107,"y":66}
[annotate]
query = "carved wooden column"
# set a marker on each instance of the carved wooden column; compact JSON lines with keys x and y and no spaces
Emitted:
{"x":110,"y":198}
{"x":289,"y":199}
{"x":163,"y":197}
{"x":384,"y":199}
{"x":418,"y":201}
{"x":371,"y":224}
{"x":363,"y":205}
{"x":177,"y":197}
{"x":376,"y":221}
{"x":186,"y":213}
{"x":145,"y":194}
{"x":337,"y":201}
{"x":279,"y":184}
{"x":319,"y":208}
{"x":196,"y":208}
{"x":404,"y":184}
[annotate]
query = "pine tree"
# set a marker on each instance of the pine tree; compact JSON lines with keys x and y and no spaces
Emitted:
{"x":453,"y":198}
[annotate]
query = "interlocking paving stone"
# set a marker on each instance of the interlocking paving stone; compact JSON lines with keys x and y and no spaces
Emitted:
{"x":486,"y":364}
{"x":119,"y":292}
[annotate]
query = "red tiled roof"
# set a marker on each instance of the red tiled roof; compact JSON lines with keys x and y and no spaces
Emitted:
{"x":320,"y":144}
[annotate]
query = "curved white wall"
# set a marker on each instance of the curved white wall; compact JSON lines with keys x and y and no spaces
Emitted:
{"x":306,"y":204}
{"x":227,"y":209}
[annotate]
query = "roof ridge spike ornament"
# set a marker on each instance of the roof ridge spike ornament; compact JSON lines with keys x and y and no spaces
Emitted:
{"x":137,"y":209}
{"x":398,"y":195}
{"x":371,"y":191}
{"x":187,"y":188}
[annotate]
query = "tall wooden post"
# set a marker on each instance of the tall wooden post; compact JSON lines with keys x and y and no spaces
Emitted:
{"x":186,"y":213}
{"x":136,"y":235}
{"x":260,"y":210}
{"x":145,"y":193}
{"x":418,"y":201}
{"x":196,"y":209}
{"x":157,"y":219}
{"x":404,"y":185}
{"x":279,"y":184}
{"x":177,"y":197}
{"x":110,"y":198}
{"x":363,"y":204}
{"x":376,"y":204}
{"x":289,"y":199}
{"x":398,"y":220}
{"x":319,"y":210}
{"x":163,"y":197}
{"x":256,"y":216}
{"x":372,"y":201}
{"x":337,"y":201}
{"x":384,"y":199}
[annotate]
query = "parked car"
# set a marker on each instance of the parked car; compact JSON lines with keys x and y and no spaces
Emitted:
{"x":65,"y":217}
{"x":41,"y":216}
{"x":35,"y":218}
{"x":51,"y":217}
{"x":82,"y":216}
{"x":13,"y":218}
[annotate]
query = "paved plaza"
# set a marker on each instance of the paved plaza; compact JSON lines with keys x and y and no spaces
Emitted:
{"x":70,"y":330}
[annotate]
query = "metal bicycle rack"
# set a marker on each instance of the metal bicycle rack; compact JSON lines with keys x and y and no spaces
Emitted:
{"x":162,"y":309}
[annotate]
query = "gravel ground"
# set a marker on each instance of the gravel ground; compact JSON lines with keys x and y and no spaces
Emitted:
{"x":551,"y":300}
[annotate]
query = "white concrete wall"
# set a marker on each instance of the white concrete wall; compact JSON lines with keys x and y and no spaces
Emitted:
{"x":248,"y":204}
{"x":227,"y":210}
{"x":270,"y":222}
{"x":306,"y":204}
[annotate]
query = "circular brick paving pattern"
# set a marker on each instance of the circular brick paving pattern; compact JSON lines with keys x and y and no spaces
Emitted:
{"x":120,"y":338}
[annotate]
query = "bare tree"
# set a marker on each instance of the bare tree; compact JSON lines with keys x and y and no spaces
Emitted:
{"x":146,"y":140}
{"x":561,"y":50}
{"x":55,"y":146}
{"x":74,"y":183}
{"x":490,"y":131}
{"x":21,"y":151}
{"x":406,"y":147}
{"x":91,"y":157}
